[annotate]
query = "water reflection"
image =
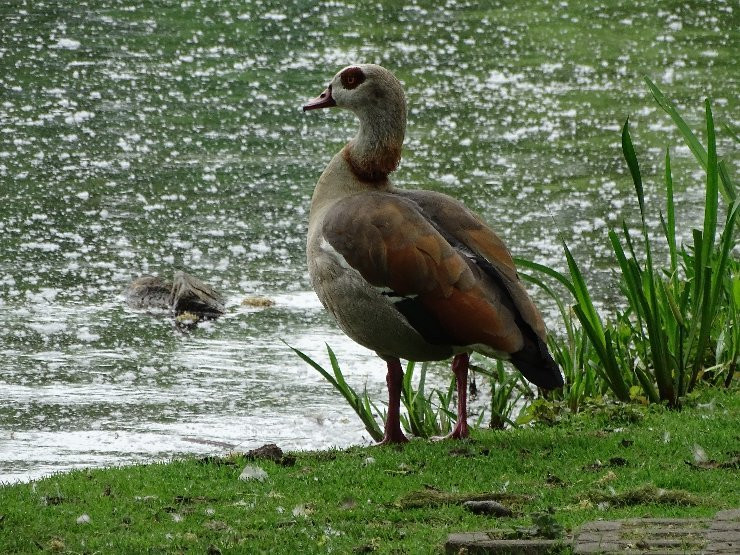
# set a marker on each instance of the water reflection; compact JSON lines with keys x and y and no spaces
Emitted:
{"x":136,"y":140}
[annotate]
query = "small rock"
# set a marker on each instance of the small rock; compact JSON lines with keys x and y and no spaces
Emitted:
{"x":253,"y":473}
{"x":487,"y":508}
{"x":700,"y":455}
{"x":271,"y":452}
{"x":83,"y":519}
{"x":368,"y":461}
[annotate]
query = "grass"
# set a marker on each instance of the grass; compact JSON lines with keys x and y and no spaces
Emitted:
{"x":432,"y":414}
{"x":606,"y":463}
{"x":426,"y":415}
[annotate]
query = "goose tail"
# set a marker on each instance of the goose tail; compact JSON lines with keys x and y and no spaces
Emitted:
{"x":536,"y":364}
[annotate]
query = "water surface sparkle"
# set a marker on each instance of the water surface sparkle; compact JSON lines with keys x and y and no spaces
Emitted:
{"x":142,"y":139}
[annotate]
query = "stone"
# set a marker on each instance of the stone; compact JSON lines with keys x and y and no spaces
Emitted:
{"x":487,"y":507}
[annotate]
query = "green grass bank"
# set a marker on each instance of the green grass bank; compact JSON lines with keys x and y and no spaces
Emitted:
{"x":608,"y":462}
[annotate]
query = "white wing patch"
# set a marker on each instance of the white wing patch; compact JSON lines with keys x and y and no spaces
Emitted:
{"x":328,"y":250}
{"x":392,"y":296}
{"x":387,"y":293}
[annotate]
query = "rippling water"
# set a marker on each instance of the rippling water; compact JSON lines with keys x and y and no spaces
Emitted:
{"x":138,"y":139}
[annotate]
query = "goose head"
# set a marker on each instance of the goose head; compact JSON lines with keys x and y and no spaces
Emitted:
{"x":376,"y":98}
{"x":361,"y":88}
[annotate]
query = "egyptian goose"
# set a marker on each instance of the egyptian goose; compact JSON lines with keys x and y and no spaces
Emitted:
{"x":412,"y":274}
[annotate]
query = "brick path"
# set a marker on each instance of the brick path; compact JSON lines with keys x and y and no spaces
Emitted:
{"x":719,"y":535}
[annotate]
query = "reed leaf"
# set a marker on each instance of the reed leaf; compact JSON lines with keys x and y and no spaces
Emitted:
{"x":728,"y":190}
{"x":711,"y":198}
{"x":669,"y":226}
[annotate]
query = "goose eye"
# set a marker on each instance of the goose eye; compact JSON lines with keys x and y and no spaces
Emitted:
{"x":352,"y":77}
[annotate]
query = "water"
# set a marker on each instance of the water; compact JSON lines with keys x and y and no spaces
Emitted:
{"x":142,"y":139}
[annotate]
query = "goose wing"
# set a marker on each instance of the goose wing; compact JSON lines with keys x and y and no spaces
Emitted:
{"x":435,"y":284}
{"x":468,"y":230}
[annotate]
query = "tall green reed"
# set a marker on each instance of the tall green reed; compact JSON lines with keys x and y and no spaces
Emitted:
{"x":680,"y":322}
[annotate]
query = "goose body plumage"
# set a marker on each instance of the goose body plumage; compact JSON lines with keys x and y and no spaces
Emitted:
{"x":412,"y":274}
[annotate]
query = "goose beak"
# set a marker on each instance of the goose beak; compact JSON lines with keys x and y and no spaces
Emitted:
{"x":324,"y":100}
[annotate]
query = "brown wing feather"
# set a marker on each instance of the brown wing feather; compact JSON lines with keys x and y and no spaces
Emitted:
{"x":469,"y":229}
{"x":465,"y":225}
{"x":392,"y":245}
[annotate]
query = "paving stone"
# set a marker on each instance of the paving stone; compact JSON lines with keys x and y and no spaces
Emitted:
{"x":647,"y":535}
{"x":730,"y":514}
{"x":724,"y":533}
{"x":658,"y":535}
{"x":653,"y":536}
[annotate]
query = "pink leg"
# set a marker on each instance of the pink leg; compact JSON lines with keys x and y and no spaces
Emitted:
{"x":460,"y":369}
{"x":393,"y":433}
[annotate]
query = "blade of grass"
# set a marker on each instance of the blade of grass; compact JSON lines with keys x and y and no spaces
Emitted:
{"x":731,"y":132}
{"x":704,"y":329}
{"x":358,"y":404}
{"x":692,"y":142}
{"x":629,"y":154}
{"x":611,"y":372}
{"x":583,"y":298}
{"x":555,"y":297}
{"x":522,"y":262}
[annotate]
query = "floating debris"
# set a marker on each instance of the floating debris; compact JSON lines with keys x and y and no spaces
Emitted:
{"x":257,"y":302}
{"x":187,"y":297}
